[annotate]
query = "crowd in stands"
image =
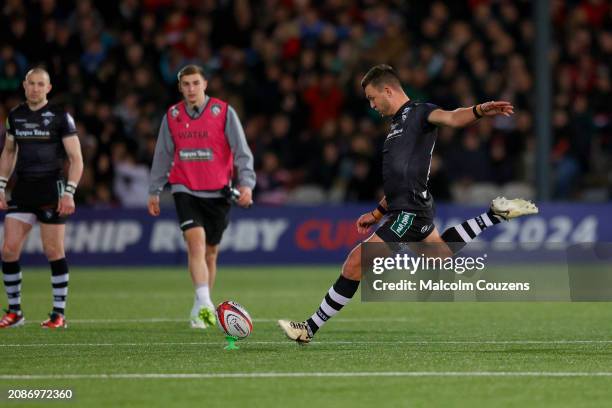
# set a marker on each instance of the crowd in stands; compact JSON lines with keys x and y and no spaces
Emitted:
{"x":292,"y":70}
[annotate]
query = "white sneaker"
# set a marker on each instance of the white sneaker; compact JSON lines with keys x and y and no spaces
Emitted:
{"x":508,"y":209}
{"x":296,"y":331}
{"x":197,"y":323}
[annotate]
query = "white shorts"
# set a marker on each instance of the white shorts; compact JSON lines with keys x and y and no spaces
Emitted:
{"x":28,"y":218}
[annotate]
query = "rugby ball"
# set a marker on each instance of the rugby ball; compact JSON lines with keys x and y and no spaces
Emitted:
{"x":234,"y":320}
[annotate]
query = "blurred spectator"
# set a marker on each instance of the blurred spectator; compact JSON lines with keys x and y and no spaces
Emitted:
{"x":292,"y":70}
{"x":272,"y":181}
{"x":10,"y":80}
{"x":131,"y":179}
{"x":470,"y":162}
{"x":324,"y":99}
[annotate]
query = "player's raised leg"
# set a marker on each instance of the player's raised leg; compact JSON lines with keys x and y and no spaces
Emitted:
{"x":196,"y":252}
{"x":52,"y":236}
{"x":338,"y":296}
{"x":15,"y":233}
{"x":501,"y":209}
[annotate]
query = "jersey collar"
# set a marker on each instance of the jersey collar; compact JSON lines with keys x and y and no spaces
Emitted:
{"x":46,"y":105}
{"x":398,"y":114}
{"x":192,"y":112}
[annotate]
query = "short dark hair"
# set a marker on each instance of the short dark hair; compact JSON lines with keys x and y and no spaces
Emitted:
{"x":379,"y":75}
{"x":190,"y":70}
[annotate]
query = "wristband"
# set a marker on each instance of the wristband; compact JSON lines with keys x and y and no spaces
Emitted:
{"x":3,"y":183}
{"x":70,"y":189}
{"x":381,"y":209}
{"x":478,"y":116}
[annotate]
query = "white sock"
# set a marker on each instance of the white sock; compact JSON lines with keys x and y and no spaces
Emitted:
{"x":203,"y":296}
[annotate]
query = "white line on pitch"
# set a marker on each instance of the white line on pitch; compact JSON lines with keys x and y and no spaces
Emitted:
{"x":322,"y":343}
{"x":307,"y":374}
{"x":262,"y":320}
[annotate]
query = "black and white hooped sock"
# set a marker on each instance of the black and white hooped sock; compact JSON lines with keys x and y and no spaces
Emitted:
{"x":336,"y":298}
{"x":11,"y":272}
{"x":470,"y":229}
{"x":59,"y":282}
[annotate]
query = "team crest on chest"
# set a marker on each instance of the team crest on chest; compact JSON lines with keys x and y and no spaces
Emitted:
{"x":174,"y":112}
{"x":48,"y":117}
{"x":215,"y":109}
{"x":405,"y":113}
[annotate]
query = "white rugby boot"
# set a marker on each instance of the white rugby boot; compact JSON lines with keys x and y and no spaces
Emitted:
{"x":508,"y":209}
{"x":296,"y":331}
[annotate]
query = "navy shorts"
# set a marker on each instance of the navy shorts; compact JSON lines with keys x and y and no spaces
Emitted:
{"x":406,"y":226}
{"x":212,"y":214}
{"x":38,"y":196}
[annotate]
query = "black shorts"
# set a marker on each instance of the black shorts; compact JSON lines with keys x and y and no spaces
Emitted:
{"x":210,"y":213}
{"x":407,"y":226}
{"x":38,"y":196}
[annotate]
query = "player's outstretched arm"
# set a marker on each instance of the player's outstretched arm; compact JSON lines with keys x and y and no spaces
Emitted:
{"x":465,"y":116}
{"x":7,"y":164}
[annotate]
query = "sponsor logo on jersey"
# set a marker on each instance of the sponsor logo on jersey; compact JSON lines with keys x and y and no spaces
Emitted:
{"x":394,"y":134}
{"x":192,"y":134}
{"x":30,"y":125}
{"x":195,"y":155}
{"x":47,"y":114}
{"x":402,"y":223}
{"x":34,"y":133}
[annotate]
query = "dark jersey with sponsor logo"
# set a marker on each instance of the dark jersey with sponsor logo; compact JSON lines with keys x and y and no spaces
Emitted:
{"x":407,"y":158}
{"x":39,"y":135}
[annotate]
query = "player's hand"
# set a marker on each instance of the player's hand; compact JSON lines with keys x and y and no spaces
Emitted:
{"x":246,"y":197}
{"x":3,"y":204}
{"x":365,"y":222}
{"x":153,"y":205}
{"x":65,"y":206}
{"x":493,"y":108}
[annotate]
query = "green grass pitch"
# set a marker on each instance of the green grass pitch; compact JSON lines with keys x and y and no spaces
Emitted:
{"x":129,"y":345}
